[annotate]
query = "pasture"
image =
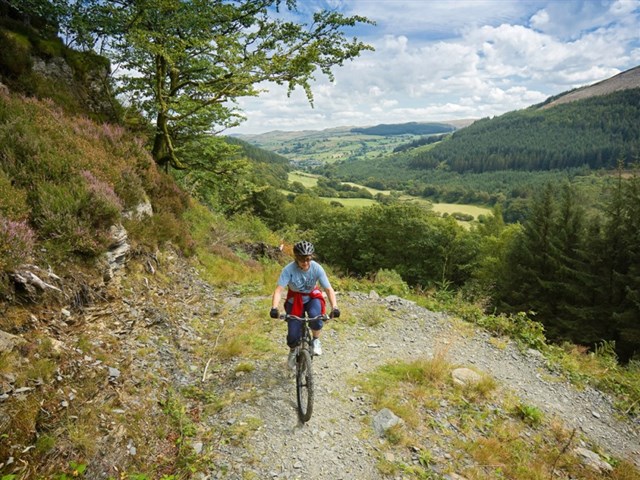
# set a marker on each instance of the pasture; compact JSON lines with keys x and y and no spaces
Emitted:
{"x":310,"y":181}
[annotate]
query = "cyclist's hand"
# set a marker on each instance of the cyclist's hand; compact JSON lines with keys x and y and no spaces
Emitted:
{"x":335,"y":313}
{"x":273,"y":313}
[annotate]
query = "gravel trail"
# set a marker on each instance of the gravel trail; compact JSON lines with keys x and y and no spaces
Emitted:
{"x":338,"y":442}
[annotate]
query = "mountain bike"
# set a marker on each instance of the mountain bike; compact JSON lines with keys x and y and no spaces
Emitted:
{"x":304,"y":369}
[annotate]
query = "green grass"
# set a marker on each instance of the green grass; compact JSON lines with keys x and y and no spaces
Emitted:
{"x":306,"y":179}
{"x":485,"y":435}
{"x":450,"y":208}
{"x":350,"y":202}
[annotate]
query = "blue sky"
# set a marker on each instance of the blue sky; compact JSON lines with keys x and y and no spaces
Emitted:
{"x":443,"y":60}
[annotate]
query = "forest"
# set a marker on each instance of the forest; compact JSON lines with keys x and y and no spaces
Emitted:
{"x":594,"y":132}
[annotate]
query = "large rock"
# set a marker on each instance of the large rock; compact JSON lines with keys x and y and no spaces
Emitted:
{"x":592,"y":460}
{"x":117,"y":254}
{"x":32,"y":281}
{"x":384,"y":420}
{"x":8,"y":342}
{"x":465,"y":376}
{"x":140,"y":211}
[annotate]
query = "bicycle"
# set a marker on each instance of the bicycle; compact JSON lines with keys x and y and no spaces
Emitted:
{"x":304,"y":370}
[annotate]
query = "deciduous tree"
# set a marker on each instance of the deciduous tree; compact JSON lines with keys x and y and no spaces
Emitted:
{"x":184,"y":63}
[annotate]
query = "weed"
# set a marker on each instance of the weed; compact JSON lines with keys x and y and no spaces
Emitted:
{"x":374,"y":315}
{"x":499,"y":342}
{"x":245,"y":367}
{"x":531,"y":415}
{"x":396,"y":435}
{"x":240,"y":430}
{"x":45,"y":443}
{"x":41,"y":369}
{"x":481,"y":390}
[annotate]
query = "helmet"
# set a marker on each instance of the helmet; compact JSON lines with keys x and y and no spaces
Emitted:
{"x":303,"y":248}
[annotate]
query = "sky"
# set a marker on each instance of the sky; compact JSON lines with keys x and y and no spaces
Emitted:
{"x":445,"y":60}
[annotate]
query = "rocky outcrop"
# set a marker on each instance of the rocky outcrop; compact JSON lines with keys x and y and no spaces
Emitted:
{"x":116,"y":256}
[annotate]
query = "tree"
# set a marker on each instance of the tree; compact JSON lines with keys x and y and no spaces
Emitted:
{"x":186,"y":62}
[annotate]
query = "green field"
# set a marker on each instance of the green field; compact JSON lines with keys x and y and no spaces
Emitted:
{"x":459,"y":208}
{"x":309,"y":181}
{"x":306,"y":179}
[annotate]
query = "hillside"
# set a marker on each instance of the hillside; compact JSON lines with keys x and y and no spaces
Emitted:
{"x":313,"y":148}
{"x":172,"y":377}
{"x":623,"y":81}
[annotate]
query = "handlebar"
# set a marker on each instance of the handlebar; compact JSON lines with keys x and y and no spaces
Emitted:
{"x":287,"y":317}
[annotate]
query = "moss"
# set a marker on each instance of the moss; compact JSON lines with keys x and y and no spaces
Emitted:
{"x":85,"y":62}
{"x":49,"y":48}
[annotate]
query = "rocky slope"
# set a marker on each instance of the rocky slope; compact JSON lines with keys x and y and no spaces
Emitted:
{"x":622,"y":81}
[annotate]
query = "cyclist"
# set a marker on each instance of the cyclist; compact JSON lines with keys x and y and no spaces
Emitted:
{"x":301,"y":278}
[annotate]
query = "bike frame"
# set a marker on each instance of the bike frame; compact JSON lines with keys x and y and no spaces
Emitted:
{"x":304,"y":371}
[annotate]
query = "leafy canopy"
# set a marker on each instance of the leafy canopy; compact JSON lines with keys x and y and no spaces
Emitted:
{"x":184,"y":63}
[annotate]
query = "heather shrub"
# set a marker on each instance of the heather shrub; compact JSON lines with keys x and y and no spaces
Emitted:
{"x":129,"y":188}
{"x":161,"y":228}
{"x":13,"y":201}
{"x":74,"y":218}
{"x":104,"y":205}
{"x":16,"y":243}
{"x":166,"y":196}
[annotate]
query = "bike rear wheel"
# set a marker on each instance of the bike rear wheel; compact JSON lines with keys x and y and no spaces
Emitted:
{"x":304,"y":386}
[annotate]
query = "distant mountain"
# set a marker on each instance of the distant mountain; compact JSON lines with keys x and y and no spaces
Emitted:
{"x":411,"y":128}
{"x":623,"y":81}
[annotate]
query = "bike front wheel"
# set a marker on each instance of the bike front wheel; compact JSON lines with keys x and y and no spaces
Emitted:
{"x":304,"y":386}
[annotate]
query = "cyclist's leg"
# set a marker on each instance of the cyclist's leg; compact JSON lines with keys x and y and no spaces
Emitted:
{"x":314,"y":308}
{"x":294,"y":328}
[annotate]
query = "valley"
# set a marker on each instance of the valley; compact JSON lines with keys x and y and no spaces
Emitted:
{"x":310,"y":180}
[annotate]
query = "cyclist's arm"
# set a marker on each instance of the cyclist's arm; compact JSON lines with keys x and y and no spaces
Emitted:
{"x":331,"y":294}
{"x":277,"y":296}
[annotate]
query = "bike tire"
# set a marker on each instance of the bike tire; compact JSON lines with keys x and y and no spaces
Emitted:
{"x":304,"y":386}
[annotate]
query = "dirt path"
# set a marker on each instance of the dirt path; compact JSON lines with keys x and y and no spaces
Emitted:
{"x":338,"y":442}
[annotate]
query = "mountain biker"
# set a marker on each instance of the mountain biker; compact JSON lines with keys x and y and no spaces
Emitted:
{"x":301,"y":278}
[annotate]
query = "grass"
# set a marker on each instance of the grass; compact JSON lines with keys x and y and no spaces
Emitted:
{"x":306,"y":179}
{"x":485,"y":435}
{"x":450,"y":208}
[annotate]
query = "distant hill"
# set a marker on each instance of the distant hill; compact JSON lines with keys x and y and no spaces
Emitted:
{"x":623,"y":81}
{"x":411,"y":128}
{"x":311,"y":148}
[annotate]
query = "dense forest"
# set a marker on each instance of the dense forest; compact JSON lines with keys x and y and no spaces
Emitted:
{"x":595,"y":132}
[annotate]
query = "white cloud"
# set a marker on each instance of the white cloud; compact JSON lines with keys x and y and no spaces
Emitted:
{"x":438,"y":61}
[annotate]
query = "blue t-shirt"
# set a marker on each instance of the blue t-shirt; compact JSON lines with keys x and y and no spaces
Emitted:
{"x":296,"y":279}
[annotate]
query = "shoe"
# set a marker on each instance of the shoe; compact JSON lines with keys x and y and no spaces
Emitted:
{"x":317,"y":347}
{"x":291,"y":360}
